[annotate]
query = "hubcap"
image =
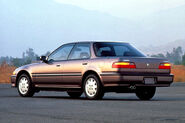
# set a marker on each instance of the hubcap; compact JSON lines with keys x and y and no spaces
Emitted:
{"x":23,"y":85}
{"x":91,"y":87}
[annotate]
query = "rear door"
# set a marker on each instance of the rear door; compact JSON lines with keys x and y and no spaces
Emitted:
{"x":76,"y":64}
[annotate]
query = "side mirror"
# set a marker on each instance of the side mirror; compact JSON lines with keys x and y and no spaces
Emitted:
{"x":43,"y":58}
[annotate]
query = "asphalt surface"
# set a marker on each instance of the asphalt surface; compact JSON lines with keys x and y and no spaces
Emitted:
{"x":167,"y":106}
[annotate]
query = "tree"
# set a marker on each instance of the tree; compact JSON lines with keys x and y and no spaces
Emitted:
{"x":160,"y":55}
{"x":175,"y":56}
{"x":47,"y":53}
{"x":17,"y":62}
{"x":183,"y":59}
{"x":29,"y":56}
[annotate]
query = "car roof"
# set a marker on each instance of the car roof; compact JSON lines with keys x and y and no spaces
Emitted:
{"x":98,"y":41}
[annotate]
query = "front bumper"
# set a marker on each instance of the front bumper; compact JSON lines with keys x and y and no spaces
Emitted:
{"x":116,"y":79}
{"x":13,"y":80}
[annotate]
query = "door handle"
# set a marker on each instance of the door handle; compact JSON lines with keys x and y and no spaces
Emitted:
{"x":84,"y":63}
{"x":58,"y":65}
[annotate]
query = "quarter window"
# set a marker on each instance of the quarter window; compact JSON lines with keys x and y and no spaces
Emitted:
{"x":61,"y":53}
{"x":80,"y":51}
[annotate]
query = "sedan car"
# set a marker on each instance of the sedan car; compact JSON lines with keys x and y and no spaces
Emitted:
{"x":94,"y":68}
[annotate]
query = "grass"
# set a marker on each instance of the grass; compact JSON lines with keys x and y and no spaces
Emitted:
{"x":7,"y":70}
{"x":179,"y":73}
{"x":5,"y":73}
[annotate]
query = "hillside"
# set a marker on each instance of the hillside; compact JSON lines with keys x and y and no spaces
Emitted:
{"x":26,"y":24}
{"x":163,"y":27}
{"x":164,"y":48}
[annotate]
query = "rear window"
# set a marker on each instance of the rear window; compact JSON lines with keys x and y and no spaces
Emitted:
{"x":103,"y":49}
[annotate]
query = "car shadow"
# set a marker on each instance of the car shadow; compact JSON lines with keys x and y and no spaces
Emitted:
{"x":109,"y":99}
{"x":106,"y":98}
{"x":83,"y":98}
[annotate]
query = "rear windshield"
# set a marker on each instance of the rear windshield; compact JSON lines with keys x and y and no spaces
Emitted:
{"x":103,"y":49}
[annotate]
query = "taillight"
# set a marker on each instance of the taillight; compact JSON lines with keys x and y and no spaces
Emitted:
{"x":123,"y":65}
{"x":165,"y":66}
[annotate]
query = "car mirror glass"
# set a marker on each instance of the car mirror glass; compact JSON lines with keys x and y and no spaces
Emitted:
{"x":43,"y":58}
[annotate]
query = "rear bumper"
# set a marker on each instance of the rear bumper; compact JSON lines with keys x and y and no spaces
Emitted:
{"x":13,"y":80}
{"x":116,"y":79}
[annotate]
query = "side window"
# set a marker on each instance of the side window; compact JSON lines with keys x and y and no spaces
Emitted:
{"x":102,"y":49}
{"x":61,"y":53}
{"x":121,"y":50}
{"x":80,"y":51}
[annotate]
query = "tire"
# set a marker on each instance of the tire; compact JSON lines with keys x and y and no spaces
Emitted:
{"x":24,"y":86}
{"x":145,"y":93}
{"x":93,"y":88}
{"x":74,"y":94}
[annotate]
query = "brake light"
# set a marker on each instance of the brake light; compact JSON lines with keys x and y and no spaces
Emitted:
{"x":123,"y":65}
{"x":165,"y":66}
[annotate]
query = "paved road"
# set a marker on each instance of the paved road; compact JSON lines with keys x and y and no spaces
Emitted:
{"x":168,"y":106}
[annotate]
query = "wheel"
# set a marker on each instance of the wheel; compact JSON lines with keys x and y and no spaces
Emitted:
{"x":145,"y":93}
{"x":24,"y":87}
{"x":93,"y":89}
{"x":74,"y":94}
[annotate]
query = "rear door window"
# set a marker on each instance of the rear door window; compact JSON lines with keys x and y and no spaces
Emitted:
{"x":80,"y":51}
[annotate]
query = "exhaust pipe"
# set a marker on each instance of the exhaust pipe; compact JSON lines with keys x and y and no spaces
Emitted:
{"x":132,"y":87}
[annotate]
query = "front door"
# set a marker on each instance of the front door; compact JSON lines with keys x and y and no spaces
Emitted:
{"x":51,"y":72}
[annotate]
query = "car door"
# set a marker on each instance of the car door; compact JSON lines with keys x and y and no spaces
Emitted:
{"x":51,"y":72}
{"x":76,"y":64}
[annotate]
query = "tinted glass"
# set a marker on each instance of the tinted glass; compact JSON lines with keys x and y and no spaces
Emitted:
{"x":61,"y":53}
{"x":80,"y":51}
{"x":116,"y":49}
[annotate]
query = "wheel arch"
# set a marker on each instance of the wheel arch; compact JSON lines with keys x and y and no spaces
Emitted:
{"x":91,"y":72}
{"x":20,"y":73}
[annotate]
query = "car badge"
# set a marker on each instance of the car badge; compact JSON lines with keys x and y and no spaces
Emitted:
{"x":147,"y":64}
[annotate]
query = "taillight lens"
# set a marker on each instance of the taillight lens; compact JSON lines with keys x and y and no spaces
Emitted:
{"x":123,"y":65}
{"x":165,"y":66}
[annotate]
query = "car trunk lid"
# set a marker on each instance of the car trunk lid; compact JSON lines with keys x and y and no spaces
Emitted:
{"x":143,"y":65}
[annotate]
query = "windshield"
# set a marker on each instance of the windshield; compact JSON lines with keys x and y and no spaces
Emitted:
{"x":103,"y":49}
